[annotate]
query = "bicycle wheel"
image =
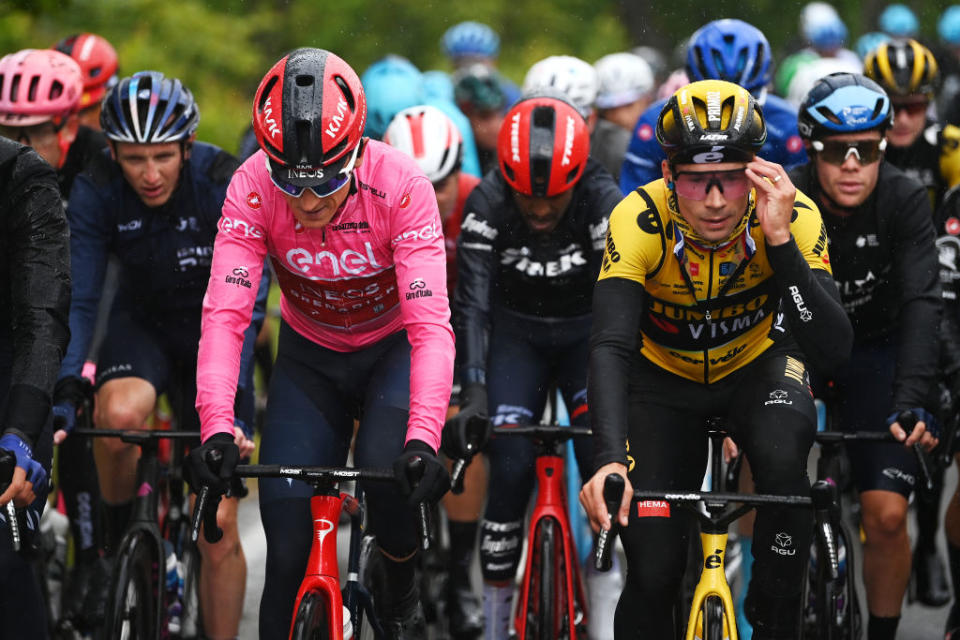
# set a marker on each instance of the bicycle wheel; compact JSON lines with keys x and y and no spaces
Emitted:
{"x":131,"y":614}
{"x":311,"y":620}
{"x":713,"y":618}
{"x":371,"y":578}
{"x":190,"y":619}
{"x":541,"y":596}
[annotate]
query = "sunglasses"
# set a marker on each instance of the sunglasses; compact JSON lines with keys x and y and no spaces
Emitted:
{"x":837,"y":151}
{"x":913,"y":108}
{"x":322,"y":190}
{"x":696,"y":185}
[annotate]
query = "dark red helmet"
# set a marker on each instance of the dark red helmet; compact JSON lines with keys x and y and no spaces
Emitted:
{"x":98,"y":62}
{"x":309,"y":113}
{"x":543,"y":146}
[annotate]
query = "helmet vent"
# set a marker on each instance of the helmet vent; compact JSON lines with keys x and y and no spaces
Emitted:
{"x":877,"y":110}
{"x":829,"y":115}
{"x":15,"y":87}
{"x":32,"y":90}
{"x":267,"y":89}
{"x":56,"y":89}
{"x":510,"y":172}
{"x":303,"y":139}
{"x":345,"y":90}
{"x":304,"y":80}
{"x":573,"y":174}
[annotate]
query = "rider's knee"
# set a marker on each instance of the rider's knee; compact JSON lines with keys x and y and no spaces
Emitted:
{"x":116,"y":414}
{"x":228,"y":547}
{"x":884,"y":520}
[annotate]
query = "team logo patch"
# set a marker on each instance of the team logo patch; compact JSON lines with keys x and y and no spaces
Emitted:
{"x":653,"y":509}
{"x":645,"y":132}
{"x":254,"y":200}
{"x":794,"y":144}
{"x":953,"y":226}
{"x":404,"y":201}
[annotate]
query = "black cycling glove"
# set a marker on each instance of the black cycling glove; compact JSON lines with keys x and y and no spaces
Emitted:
{"x":200,"y":472}
{"x":435,"y":480}
{"x":467,"y":432}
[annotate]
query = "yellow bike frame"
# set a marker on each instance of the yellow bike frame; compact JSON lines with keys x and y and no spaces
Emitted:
{"x":713,"y":582}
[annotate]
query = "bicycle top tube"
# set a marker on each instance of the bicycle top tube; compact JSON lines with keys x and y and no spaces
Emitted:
{"x":312,"y":473}
{"x":138,"y":437}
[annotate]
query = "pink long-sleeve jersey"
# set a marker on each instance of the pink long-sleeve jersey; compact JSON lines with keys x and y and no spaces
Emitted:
{"x":377,"y":267}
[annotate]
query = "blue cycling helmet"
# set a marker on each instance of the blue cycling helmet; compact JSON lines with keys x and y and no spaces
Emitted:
{"x":948,"y":26}
{"x":870,"y":41}
{"x":437,"y":85}
{"x":149,"y":108}
{"x":730,"y":50}
{"x":844,"y":103}
{"x":473,"y":39}
{"x":899,"y":21}
{"x":391,"y":85}
{"x":827,"y":35}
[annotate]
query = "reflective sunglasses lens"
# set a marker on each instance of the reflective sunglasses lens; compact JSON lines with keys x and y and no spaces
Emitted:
{"x":836,"y":152}
{"x":696,"y":186}
{"x":330,"y":186}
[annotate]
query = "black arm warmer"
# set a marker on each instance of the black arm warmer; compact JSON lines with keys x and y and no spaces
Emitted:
{"x":617,"y":305}
{"x":916,"y":273}
{"x":811,"y":300}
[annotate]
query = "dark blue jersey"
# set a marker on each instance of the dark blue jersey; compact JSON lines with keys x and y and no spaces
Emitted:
{"x":642,"y":162}
{"x":164,"y":252}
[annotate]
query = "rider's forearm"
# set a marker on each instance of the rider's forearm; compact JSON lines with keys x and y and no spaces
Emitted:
{"x":617,"y":304}
{"x":811,"y":302}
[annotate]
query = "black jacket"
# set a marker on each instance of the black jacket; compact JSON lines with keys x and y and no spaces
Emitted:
{"x":34,"y":288}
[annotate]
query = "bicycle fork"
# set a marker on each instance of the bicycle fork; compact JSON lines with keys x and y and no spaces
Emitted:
{"x":322,"y":574}
{"x":713,"y":582}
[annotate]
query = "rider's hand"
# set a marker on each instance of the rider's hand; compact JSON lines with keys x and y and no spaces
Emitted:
{"x":924,"y":432}
{"x":435,"y":481}
{"x":67,"y":396}
{"x":244,"y":444}
{"x":199,"y":473}
{"x":471,"y":419}
{"x":775,"y":198}
{"x":29,"y":474}
{"x":591,"y":497}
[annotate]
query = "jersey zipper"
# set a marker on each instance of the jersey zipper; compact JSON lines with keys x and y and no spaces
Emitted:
{"x":709,"y":319}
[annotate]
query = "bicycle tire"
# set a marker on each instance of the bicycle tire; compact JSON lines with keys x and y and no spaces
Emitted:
{"x":712,"y":613}
{"x":371,"y":577}
{"x":131,"y":614}
{"x":545,"y":540}
{"x":191,"y":619}
{"x":310,"y":622}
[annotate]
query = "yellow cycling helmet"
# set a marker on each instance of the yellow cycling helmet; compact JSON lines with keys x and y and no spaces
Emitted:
{"x":711,"y":121}
{"x":903,"y":68}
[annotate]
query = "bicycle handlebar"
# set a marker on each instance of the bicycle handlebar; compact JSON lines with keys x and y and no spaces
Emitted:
{"x":138,"y":437}
{"x":205,"y":508}
{"x":414,"y":471}
{"x":476,"y":432}
{"x":8,"y":463}
{"x":613,"y":486}
{"x":556,"y":433}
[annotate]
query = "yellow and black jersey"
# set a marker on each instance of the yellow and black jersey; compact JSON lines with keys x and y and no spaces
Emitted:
{"x":708,"y":310}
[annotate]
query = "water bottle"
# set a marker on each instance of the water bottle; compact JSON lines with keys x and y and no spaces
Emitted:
{"x":347,"y":625}
{"x":174,"y":587}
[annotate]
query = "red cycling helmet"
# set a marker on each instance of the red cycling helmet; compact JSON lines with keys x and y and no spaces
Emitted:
{"x":543,"y":146}
{"x":98,"y":63}
{"x":38,"y":85}
{"x":308,"y":116}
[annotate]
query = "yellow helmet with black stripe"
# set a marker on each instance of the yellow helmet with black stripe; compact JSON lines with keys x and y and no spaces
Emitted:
{"x":903,"y":68}
{"x":711,"y":121}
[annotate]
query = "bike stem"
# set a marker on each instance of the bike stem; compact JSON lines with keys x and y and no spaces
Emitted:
{"x":325,"y":508}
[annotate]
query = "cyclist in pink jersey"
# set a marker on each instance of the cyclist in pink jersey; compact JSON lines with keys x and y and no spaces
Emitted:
{"x":353,"y":231}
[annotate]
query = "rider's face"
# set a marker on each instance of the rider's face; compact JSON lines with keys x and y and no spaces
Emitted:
{"x":152,"y":170}
{"x":715,"y":217}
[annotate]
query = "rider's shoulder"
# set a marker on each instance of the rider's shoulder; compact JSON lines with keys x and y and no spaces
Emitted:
{"x":213,"y":163}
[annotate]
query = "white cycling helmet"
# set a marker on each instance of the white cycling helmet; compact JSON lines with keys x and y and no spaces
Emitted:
{"x":574,"y":78}
{"x":623,"y":78}
{"x":430,"y":137}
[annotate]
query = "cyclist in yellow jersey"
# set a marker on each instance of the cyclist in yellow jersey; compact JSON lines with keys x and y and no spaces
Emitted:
{"x":722,"y":269}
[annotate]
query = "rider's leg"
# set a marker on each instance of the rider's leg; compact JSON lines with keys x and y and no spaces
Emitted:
{"x":773,"y":419}
{"x":308,"y":422}
{"x":951,"y":526}
{"x":517,"y":381}
{"x":886,"y":551}
{"x":223,"y":576}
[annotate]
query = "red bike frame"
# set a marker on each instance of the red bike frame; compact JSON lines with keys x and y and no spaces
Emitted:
{"x":323,"y":573}
{"x":552,"y":503}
